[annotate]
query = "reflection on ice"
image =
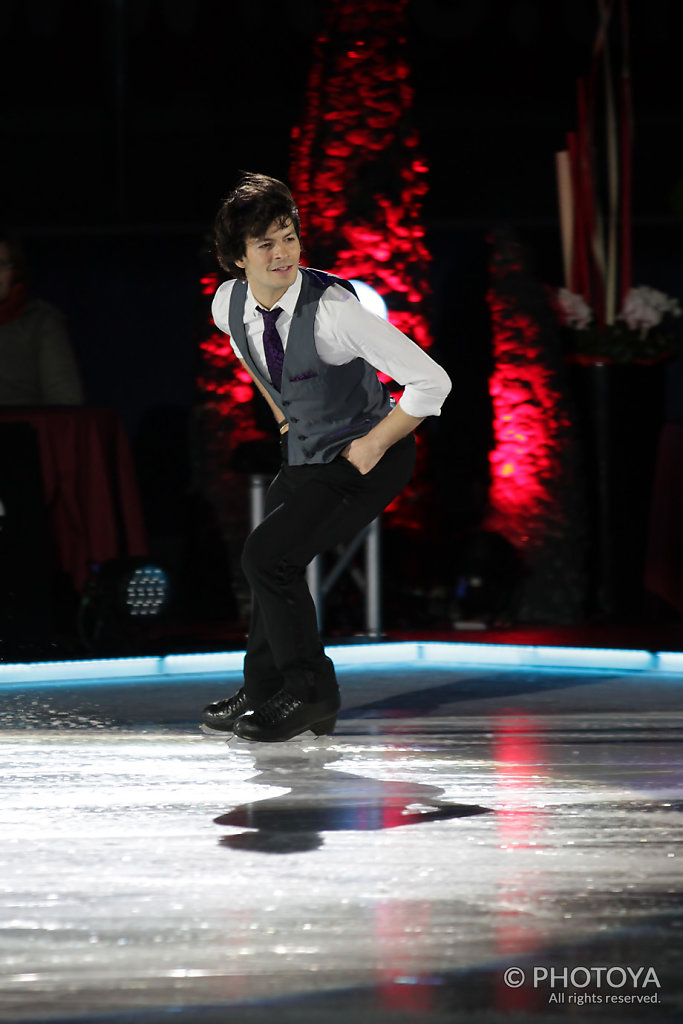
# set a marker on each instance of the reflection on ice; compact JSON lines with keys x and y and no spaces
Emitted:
{"x":401,"y":865}
{"x":322,"y":797}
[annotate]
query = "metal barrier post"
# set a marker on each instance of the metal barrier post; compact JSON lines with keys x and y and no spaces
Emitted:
{"x":314,"y":580}
{"x":373,"y":579}
{"x":258,"y":485}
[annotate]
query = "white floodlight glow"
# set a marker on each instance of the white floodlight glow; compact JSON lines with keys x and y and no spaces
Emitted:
{"x":370,"y":299}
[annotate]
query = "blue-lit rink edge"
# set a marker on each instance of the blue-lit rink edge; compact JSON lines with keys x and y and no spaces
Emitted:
{"x":162,"y":669}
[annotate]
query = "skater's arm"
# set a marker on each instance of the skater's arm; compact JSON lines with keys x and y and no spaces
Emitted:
{"x":365,"y":452}
{"x":280,"y":418}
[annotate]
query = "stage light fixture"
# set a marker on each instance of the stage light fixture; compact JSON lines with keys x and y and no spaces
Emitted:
{"x":146,"y":591}
{"x":122,"y":596}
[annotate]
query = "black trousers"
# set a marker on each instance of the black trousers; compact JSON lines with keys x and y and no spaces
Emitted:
{"x":309,"y":509}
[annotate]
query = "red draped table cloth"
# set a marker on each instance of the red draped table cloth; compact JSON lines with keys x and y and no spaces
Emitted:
{"x":89,"y":484}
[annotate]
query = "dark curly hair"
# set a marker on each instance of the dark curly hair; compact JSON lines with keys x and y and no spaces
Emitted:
{"x":257,"y":202}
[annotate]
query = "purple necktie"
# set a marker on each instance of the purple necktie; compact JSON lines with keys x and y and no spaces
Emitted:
{"x":272,"y":345}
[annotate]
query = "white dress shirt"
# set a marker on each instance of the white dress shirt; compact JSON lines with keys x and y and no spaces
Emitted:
{"x":343,"y":331}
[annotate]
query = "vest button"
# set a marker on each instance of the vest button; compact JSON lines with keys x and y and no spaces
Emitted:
{"x":302,"y":437}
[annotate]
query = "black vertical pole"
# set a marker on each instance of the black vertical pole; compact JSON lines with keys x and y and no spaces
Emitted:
{"x":120,"y":88}
{"x":602,"y":406}
{"x":114,"y":58}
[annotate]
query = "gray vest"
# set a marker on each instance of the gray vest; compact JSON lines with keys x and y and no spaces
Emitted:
{"x":326,"y":406}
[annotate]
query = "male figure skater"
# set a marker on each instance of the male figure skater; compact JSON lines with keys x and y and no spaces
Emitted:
{"x":312,"y":351}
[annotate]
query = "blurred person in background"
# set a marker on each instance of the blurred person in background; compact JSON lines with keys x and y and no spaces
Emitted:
{"x":37,"y":362}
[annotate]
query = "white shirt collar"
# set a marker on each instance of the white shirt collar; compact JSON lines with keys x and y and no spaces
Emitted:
{"x":287,"y":303}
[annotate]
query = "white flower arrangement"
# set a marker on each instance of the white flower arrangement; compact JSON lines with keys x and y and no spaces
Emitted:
{"x":640,"y":333}
{"x":645,"y":308}
{"x":575,"y":310}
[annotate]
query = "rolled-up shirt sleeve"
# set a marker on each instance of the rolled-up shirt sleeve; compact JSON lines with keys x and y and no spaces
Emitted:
{"x":345,"y":330}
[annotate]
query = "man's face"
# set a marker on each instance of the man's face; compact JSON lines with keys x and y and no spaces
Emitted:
{"x":5,"y":271}
{"x":271,"y":262}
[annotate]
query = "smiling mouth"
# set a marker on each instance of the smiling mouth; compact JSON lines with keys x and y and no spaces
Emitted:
{"x":282,"y":270}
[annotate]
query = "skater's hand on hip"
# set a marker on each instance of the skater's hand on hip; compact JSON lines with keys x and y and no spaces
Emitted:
{"x":363,"y":453}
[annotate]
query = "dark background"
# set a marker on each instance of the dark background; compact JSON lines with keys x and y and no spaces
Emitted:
{"x":124,"y":122}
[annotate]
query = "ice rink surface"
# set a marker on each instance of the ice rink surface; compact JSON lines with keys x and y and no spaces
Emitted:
{"x":472,"y":843}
